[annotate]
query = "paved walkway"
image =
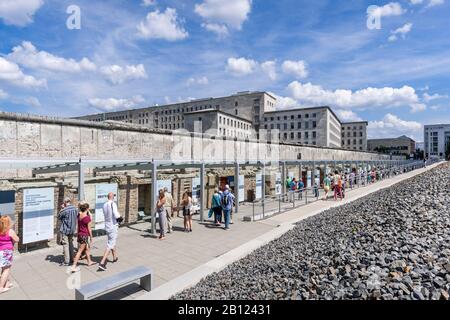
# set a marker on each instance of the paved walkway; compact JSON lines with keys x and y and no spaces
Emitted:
{"x":178,"y":262}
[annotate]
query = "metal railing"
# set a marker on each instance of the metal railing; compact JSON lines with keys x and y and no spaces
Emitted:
{"x":274,"y":205}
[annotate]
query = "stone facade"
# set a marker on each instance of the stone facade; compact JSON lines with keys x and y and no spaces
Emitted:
{"x":246,"y":105}
{"x":218,"y":123}
{"x":436,"y":140}
{"x":354,"y":135}
{"x":305,"y":126}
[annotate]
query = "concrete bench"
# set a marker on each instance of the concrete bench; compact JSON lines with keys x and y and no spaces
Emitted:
{"x":100,"y":287}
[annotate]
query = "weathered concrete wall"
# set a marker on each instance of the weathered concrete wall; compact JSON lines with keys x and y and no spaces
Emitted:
{"x":41,"y":137}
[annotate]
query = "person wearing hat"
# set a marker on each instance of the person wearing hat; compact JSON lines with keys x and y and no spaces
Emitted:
{"x":68,"y":218}
{"x":227,"y":205}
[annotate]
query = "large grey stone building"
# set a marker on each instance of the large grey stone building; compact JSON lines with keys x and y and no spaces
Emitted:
{"x":354,"y":135}
{"x":307,"y":126}
{"x":437,"y":138}
{"x":247,"y":105}
{"x":244,"y":115}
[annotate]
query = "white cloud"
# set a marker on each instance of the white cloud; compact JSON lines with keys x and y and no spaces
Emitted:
{"x":434,"y":3}
{"x":415,"y":2}
{"x":296,"y":68}
{"x":402,"y":31}
{"x":112,"y":104}
{"x":392,"y":38}
{"x":118,"y":75}
{"x":241,"y":66}
{"x":162,"y":25}
{"x":19,"y":12}
{"x":284,"y":102}
{"x":32,"y":101}
{"x":27,"y":55}
{"x":219,"y":29}
{"x":392,"y":126}
{"x":418,"y":107}
{"x":269,"y":68}
{"x":348,"y":115}
{"x":3,"y":94}
{"x":428,"y":98}
{"x":390,"y":9}
{"x":10,"y":72}
{"x":148,"y":3}
{"x":224,"y":14}
{"x":314,"y":95}
{"x":197,"y":81}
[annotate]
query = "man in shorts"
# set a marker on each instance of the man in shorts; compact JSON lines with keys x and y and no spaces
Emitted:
{"x":112,"y":219}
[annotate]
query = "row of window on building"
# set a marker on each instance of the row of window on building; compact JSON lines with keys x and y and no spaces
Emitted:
{"x":349,"y":134}
{"x":349,"y":142}
{"x":233,"y":133}
{"x":233,"y":123}
{"x":292,"y":117}
{"x":354,"y":128}
{"x":292,"y":125}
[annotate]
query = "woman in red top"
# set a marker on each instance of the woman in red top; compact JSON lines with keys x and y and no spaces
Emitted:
{"x":84,"y":235}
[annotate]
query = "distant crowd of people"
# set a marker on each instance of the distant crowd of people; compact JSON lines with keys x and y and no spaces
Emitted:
{"x":336,"y":183}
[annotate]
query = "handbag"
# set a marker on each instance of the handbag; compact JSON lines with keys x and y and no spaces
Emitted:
{"x":119,"y":220}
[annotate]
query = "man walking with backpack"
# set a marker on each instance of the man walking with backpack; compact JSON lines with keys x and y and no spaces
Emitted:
{"x":227,"y":205}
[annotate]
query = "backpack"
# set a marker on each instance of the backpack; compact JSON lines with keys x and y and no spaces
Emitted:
{"x":340,"y":183}
{"x":225,"y":200}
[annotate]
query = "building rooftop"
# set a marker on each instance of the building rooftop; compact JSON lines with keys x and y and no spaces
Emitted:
{"x":216,"y":111}
{"x":354,"y":122}
{"x":243,"y":93}
{"x":305,"y":109}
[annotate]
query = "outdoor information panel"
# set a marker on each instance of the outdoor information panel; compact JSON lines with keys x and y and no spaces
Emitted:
{"x":8,"y":204}
{"x":241,"y":188}
{"x":101,"y":196}
{"x":38,"y":214}
{"x":195,"y":190}
{"x":258,"y":192}
{"x":278,"y":184}
{"x":308,"y":179}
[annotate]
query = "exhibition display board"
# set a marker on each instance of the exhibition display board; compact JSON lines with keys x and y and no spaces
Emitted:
{"x":278,"y":189}
{"x":308,"y":179}
{"x":241,"y":188}
{"x":38,"y":214}
{"x":195,"y":190}
{"x":258,"y":191}
{"x":8,"y":204}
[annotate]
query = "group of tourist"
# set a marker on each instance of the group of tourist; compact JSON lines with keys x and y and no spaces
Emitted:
{"x":222,"y":203}
{"x":165,"y":208}
{"x":222,"y":207}
{"x":78,"y":221}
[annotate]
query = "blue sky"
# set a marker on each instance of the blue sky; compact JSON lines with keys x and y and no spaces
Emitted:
{"x":138,"y":53}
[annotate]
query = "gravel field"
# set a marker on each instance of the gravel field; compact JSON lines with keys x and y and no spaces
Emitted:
{"x":393,"y":244}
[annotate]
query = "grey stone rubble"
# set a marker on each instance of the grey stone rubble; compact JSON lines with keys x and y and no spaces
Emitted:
{"x":393,"y":244}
